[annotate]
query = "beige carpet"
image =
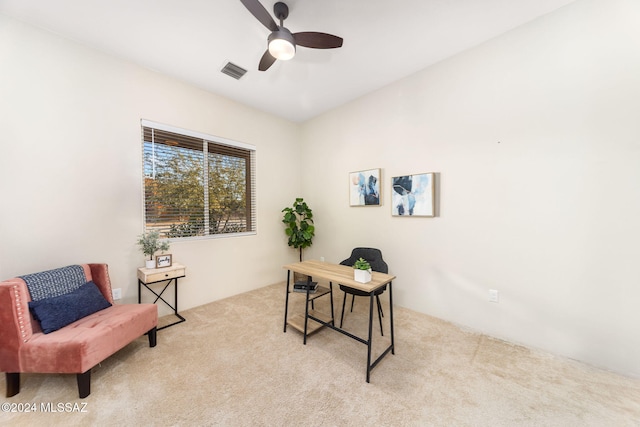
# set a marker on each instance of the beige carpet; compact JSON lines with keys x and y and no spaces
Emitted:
{"x":230,"y":364}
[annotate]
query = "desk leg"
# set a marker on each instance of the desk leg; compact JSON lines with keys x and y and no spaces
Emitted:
{"x":139,"y":290}
{"x":393,"y":347}
{"x":306,"y":318}
{"x":331,"y":296}
{"x":370,"y":335}
{"x":286,"y":301}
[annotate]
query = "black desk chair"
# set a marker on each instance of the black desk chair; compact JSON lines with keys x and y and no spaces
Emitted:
{"x":374,"y":256}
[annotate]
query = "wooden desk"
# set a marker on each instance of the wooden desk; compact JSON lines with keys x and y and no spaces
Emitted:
{"x":342,"y":274}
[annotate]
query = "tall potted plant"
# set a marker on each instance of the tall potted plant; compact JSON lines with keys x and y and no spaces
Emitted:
{"x":299,"y":222}
{"x":149,"y":245}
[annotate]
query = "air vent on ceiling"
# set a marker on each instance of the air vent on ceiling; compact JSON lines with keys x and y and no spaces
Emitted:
{"x":233,"y":70}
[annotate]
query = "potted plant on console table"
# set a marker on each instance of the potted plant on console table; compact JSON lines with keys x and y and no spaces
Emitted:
{"x":362,"y":271}
{"x":149,"y":245}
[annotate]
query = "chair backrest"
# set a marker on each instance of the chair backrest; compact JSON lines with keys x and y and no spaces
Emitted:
{"x":373,"y":255}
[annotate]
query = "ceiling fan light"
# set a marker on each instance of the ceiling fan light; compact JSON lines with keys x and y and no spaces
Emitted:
{"x":282,"y":45}
{"x":282,"y":49}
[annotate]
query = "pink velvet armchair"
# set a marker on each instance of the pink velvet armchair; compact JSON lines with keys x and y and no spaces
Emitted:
{"x":74,"y":348}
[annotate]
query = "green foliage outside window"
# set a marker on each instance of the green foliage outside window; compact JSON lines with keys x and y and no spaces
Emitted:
{"x":177,"y":201}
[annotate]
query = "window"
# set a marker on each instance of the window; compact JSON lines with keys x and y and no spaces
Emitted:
{"x":196,"y":184}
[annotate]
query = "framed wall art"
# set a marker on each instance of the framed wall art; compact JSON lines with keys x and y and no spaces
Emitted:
{"x":364,"y":188}
{"x":413,"y":195}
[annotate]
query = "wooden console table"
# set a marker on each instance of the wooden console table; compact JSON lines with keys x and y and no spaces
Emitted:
{"x":149,"y":276}
{"x":341,"y":274}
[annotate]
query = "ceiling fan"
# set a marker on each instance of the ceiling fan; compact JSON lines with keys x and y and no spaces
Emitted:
{"x":281,"y":42}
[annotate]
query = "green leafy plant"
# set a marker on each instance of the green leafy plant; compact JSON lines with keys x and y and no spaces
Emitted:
{"x":150,"y":244}
{"x":362,"y":264}
{"x":299,"y":222}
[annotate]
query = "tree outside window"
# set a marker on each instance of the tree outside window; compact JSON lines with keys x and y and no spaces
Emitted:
{"x":178,"y":204}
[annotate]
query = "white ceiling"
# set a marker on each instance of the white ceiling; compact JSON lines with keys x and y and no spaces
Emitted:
{"x":192,"y":40}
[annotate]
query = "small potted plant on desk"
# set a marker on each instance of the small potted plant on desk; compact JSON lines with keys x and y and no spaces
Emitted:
{"x":149,"y":245}
{"x":362,"y":271}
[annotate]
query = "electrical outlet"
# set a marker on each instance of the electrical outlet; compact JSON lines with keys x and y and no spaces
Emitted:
{"x":493,"y":295}
{"x":117,"y":293}
{"x":322,"y":258}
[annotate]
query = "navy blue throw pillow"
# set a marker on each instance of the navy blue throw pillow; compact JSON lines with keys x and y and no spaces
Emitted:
{"x":57,"y":312}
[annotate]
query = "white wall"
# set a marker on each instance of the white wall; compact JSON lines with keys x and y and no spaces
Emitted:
{"x":536,"y":137}
{"x":71,"y":168}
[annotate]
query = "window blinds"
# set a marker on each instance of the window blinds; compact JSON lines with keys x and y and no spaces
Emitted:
{"x":197,"y":184}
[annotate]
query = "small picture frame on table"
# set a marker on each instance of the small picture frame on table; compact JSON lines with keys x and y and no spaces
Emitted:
{"x":163,"y":260}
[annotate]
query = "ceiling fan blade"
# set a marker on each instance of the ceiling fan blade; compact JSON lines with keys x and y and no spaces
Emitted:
{"x":317,"y":40}
{"x":266,"y":61}
{"x":258,"y":10}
